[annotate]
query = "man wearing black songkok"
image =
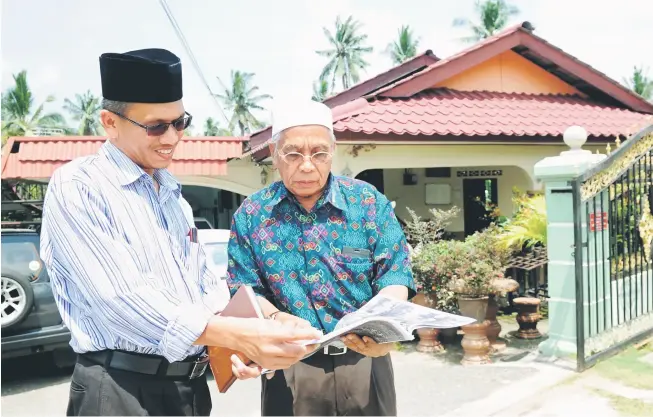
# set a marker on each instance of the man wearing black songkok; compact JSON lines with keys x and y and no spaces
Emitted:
{"x":128,"y":275}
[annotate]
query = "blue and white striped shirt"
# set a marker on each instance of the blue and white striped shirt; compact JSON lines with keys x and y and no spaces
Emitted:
{"x":124,"y":272}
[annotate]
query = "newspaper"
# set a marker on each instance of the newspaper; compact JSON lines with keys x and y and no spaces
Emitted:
{"x":388,"y":320}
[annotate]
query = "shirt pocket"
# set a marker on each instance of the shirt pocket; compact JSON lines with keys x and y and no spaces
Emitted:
{"x":353,"y":269}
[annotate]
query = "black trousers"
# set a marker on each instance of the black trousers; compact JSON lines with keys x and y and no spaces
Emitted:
{"x":97,"y":391}
{"x":332,"y":385}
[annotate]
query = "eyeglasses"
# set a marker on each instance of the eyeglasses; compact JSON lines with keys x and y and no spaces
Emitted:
{"x":159,"y":129}
{"x":294,"y":158}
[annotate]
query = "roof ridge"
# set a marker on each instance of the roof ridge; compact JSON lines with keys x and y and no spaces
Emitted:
{"x":453,"y":91}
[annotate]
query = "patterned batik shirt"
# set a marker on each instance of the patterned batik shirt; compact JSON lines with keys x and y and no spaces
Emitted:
{"x":302,"y":261}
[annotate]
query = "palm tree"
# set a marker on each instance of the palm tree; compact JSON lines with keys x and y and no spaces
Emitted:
{"x":404,"y":47}
{"x":493,"y":16}
{"x":346,"y":55}
{"x":19,"y":118}
{"x":86,"y":110}
{"x":640,"y":83}
{"x":320,"y":90}
{"x":241,"y":98}
{"x":212,"y":128}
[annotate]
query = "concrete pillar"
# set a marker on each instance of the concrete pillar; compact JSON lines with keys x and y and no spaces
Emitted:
{"x":556,"y":173}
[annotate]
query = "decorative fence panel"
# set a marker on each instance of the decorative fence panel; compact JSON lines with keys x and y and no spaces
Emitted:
{"x":613,"y":233}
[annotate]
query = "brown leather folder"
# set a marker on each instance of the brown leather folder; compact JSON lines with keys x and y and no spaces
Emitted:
{"x":242,"y":305}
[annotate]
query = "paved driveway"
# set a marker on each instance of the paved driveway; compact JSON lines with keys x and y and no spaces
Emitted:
{"x":426,"y":385}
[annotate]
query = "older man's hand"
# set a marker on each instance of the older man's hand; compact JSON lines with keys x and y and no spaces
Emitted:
{"x":367,"y":346}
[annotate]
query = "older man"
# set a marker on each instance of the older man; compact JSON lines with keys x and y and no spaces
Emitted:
{"x":316,"y":246}
{"x":128,"y":275}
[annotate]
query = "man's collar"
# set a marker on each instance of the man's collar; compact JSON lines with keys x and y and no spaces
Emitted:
{"x":128,"y":172}
{"x":333,"y":194}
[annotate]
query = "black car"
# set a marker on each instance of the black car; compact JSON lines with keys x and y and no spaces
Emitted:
{"x":31,"y":322}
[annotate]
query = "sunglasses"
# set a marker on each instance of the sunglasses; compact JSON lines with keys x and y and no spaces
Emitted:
{"x":160,"y":128}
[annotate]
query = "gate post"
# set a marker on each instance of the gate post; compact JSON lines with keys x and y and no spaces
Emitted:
{"x":556,"y":174}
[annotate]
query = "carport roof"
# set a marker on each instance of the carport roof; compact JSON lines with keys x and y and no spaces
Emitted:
{"x":39,"y":157}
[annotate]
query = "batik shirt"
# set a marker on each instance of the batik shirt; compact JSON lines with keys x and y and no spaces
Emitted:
{"x":302,"y":260}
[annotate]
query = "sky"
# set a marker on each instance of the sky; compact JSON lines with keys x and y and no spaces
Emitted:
{"x":59,"y":42}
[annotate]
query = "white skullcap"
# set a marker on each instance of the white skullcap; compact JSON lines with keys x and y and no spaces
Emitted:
{"x":291,"y":113}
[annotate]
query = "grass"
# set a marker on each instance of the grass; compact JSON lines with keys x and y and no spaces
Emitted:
{"x":627,"y":406}
{"x":628,"y":369}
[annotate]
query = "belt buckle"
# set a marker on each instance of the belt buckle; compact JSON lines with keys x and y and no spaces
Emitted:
{"x":339,"y":351}
{"x":199,"y":367}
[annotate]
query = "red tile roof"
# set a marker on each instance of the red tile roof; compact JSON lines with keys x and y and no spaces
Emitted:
{"x":440,"y":112}
{"x":38,"y":157}
{"x":259,"y":139}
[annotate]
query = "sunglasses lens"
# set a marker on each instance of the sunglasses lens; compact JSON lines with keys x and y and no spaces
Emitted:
{"x":157,"y":130}
{"x":181,"y":124}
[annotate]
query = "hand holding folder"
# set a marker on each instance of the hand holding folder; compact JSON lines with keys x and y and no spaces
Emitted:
{"x":270,"y":344}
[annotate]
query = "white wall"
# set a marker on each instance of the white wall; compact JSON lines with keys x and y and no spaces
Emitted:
{"x":413,"y":196}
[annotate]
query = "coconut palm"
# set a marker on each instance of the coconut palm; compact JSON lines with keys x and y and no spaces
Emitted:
{"x":346,"y":55}
{"x":320,"y":90}
{"x":241,"y":98}
{"x":404,"y":47}
{"x":493,"y":16}
{"x":640,"y":83}
{"x":86,"y":110}
{"x":19,"y":117}
{"x":213,"y":128}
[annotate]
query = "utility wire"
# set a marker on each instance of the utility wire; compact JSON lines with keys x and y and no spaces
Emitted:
{"x":186,"y":46}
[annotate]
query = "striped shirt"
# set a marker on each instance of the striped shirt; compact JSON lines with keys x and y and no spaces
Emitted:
{"x":125,"y":275}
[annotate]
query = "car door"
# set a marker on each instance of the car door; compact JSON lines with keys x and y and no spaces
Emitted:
{"x":20,"y":256}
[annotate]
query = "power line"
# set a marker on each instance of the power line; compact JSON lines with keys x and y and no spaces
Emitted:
{"x":186,"y":46}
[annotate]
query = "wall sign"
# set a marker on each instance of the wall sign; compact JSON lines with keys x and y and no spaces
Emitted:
{"x":598,"y":221}
{"x":480,"y":173}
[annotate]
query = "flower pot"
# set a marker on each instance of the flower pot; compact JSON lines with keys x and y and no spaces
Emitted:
{"x":428,"y":341}
{"x":475,"y":344}
{"x":494,"y":327}
{"x":527,"y":317}
{"x":475,"y":308}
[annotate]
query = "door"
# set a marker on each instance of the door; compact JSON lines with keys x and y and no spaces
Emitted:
{"x":478,"y":195}
{"x":374,"y":177}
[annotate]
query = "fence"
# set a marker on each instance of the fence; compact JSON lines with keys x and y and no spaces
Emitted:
{"x":613,"y":234}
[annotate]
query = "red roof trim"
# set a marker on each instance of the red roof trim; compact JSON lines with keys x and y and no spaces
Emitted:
{"x":587,"y":73}
{"x":369,"y":86}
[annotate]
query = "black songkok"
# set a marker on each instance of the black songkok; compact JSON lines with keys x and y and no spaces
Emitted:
{"x":142,"y":76}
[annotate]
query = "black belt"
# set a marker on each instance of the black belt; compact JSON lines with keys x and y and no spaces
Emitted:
{"x":334,"y":350}
{"x":190,"y":368}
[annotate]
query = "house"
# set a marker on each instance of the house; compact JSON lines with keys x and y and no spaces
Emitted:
{"x":429,"y":133}
{"x":436,"y":133}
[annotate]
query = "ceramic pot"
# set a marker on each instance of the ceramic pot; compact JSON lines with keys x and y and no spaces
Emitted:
{"x":494,"y":327}
{"x":528,"y":315}
{"x":428,"y":341}
{"x":476,"y":344}
{"x":475,"y":308}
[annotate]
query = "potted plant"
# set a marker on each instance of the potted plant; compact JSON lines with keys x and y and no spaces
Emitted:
{"x":526,"y":230}
{"x":481,"y":275}
{"x":432,"y":285}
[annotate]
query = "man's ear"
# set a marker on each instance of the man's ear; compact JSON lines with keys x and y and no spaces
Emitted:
{"x":273,"y":153}
{"x":109,"y":122}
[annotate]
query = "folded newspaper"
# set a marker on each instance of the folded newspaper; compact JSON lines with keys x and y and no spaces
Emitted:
{"x":388,"y":320}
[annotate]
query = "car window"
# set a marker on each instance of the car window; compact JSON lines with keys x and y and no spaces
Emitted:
{"x":21,"y":257}
{"x":202,"y":224}
{"x":216,"y":253}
